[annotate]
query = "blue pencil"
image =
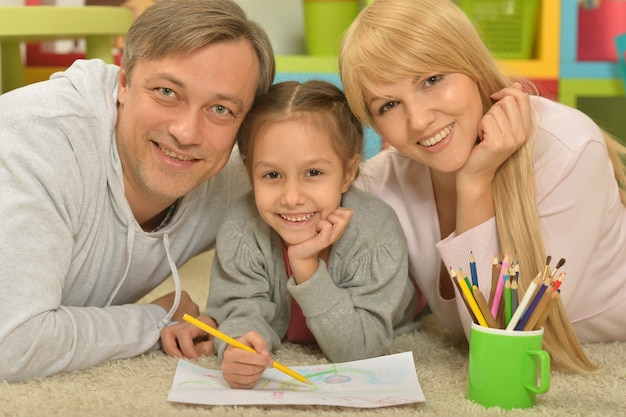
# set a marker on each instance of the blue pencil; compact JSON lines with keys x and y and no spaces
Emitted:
{"x":473,"y":272}
{"x":531,"y":308}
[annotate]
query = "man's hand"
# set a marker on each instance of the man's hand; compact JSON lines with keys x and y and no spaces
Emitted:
{"x":186,"y":305}
{"x":185,"y":340}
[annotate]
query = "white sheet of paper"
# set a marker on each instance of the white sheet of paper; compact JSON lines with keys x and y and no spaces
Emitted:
{"x":378,"y":382}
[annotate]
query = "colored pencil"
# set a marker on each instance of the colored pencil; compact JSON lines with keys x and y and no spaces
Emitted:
{"x":225,"y":338}
{"x":541,"y":306}
{"x":524,"y":302}
{"x":467,"y":293}
{"x":473,"y":272}
{"x":484,"y":307}
{"x":531,"y":307}
{"x":455,"y":281}
{"x":497,"y":298}
{"x":495,"y":273}
{"x":514,"y":293}
{"x":558,"y":281}
{"x":508,"y":312}
{"x":546,"y":311}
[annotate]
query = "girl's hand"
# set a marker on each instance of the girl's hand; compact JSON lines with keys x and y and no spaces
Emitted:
{"x":303,"y":257}
{"x":185,"y":340}
{"x":502,"y":131}
{"x":242,"y":369}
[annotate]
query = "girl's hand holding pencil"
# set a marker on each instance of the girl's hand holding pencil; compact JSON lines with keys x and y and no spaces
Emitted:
{"x":239,"y":368}
{"x":504,"y":309}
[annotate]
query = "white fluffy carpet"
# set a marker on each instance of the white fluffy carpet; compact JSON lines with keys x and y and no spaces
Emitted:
{"x":139,"y":386}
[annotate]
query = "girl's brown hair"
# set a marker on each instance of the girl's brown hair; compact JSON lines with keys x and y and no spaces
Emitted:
{"x":320,"y":104}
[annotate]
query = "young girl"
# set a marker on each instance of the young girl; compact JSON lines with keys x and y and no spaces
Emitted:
{"x":481,"y":167}
{"x":306,"y":257}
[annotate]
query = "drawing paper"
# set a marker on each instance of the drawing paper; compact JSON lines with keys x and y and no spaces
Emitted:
{"x":378,"y":382}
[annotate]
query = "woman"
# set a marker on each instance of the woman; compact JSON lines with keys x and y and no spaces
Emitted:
{"x":478,"y":166}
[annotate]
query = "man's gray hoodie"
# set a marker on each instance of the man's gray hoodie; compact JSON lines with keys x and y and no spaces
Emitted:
{"x":73,"y":259}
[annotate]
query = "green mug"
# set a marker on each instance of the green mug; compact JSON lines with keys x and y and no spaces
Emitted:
{"x":506,"y":369}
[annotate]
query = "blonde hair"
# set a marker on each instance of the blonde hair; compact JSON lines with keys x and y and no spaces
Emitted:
{"x":392,"y":40}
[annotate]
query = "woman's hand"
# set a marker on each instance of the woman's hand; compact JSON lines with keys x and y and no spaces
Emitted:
{"x":242,"y":369}
{"x":502,"y":130}
{"x":186,"y":340}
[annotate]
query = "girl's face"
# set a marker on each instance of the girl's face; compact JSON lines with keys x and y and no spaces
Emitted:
{"x":298,"y":178}
{"x":432,"y":119}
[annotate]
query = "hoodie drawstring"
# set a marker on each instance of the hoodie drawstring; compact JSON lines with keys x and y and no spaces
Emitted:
{"x":167,"y":320}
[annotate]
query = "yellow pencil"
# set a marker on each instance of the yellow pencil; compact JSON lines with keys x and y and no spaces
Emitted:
{"x":484,"y":307}
{"x":225,"y":338}
{"x":472,"y":303}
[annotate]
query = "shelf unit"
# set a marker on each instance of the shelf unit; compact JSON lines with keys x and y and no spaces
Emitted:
{"x":544,"y":66}
{"x":542,"y":69}
{"x":595,"y":87}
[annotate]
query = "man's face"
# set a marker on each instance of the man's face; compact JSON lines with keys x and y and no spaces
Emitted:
{"x":178,"y":117}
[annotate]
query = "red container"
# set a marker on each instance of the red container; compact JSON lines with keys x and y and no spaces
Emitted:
{"x":599,"y":22}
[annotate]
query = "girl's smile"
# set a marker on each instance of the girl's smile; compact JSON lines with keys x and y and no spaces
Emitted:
{"x":297,"y":176}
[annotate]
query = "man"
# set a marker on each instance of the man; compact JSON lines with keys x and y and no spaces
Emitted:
{"x":113,"y":177}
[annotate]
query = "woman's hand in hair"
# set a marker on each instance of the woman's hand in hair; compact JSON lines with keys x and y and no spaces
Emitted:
{"x":504,"y":128}
{"x":501,"y":131}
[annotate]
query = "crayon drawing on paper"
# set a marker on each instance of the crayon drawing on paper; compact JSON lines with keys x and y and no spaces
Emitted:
{"x":377,"y":382}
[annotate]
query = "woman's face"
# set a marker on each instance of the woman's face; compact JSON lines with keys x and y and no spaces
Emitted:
{"x":432,"y":119}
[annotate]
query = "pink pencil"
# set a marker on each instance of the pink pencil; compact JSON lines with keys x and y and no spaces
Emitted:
{"x":500,"y":288}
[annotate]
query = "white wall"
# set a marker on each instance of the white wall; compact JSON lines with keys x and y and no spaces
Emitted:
{"x":283,"y":20}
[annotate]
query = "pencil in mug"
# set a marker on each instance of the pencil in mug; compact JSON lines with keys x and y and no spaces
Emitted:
{"x":225,"y":338}
{"x":453,"y":277}
{"x":531,"y":307}
{"x":523,"y":304}
{"x":514,"y":294}
{"x":541,"y":306}
{"x":473,"y":271}
{"x":546,"y":312}
{"x":497,"y":298}
{"x":484,"y":307}
{"x":495,"y":273}
{"x":471,"y":301}
{"x":508,"y":303}
{"x":555,"y":293}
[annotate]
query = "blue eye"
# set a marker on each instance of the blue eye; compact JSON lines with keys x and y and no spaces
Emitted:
{"x":167,"y":91}
{"x":219,"y":109}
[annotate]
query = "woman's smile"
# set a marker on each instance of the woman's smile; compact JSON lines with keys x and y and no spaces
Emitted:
{"x":438,"y":137}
